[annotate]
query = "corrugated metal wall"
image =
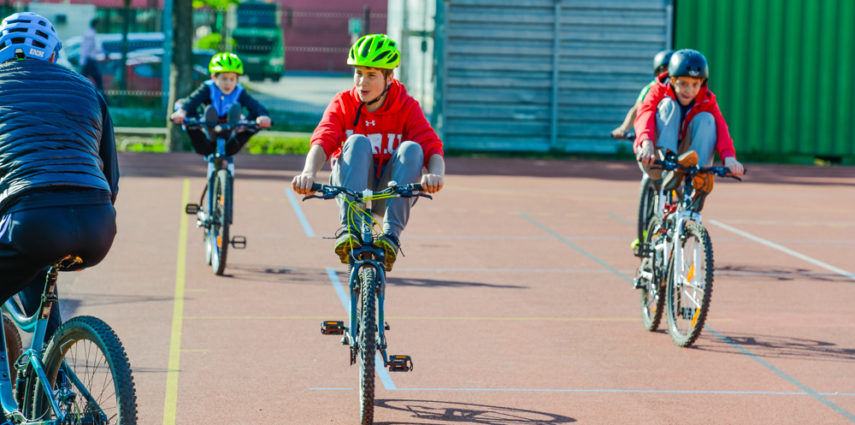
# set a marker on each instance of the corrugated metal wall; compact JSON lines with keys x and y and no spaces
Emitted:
{"x":541,"y":75}
{"x":782,"y":70}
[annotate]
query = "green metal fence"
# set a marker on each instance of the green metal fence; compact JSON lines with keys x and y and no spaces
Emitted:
{"x":782,"y":71}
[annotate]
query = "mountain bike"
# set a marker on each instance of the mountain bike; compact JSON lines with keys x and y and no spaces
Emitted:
{"x":365,"y":333}
{"x":82,"y":375}
{"x":215,"y":208}
{"x":677,"y":251}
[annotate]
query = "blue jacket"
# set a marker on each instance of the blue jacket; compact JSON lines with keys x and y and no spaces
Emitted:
{"x":209,"y":94}
{"x":55,"y":134}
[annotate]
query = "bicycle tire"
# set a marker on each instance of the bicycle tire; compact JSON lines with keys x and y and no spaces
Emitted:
{"x":14,"y":347}
{"x":646,"y":205}
{"x":653,"y":290}
{"x":367,"y":345}
{"x":220,"y":223}
{"x":685,"y":323}
{"x":94,"y":354}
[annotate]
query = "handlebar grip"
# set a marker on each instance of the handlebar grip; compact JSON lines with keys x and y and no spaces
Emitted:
{"x":417,"y":187}
{"x":317,"y":187}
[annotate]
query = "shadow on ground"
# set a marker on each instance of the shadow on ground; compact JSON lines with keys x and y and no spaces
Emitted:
{"x":777,"y":347}
{"x":447,"y":412}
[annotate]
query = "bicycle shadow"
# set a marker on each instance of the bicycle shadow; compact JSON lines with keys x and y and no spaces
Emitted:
{"x":414,"y":282}
{"x":750,"y":272}
{"x":444,"y":412}
{"x":777,"y":347}
{"x":267,"y":273}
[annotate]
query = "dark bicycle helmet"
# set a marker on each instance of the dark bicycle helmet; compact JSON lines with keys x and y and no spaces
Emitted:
{"x":27,"y":35}
{"x":688,"y":63}
{"x":661,"y":60}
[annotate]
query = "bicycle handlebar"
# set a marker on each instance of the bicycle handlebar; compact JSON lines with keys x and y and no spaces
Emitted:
{"x":411,"y":190}
{"x":195,"y":123}
{"x":670,"y":163}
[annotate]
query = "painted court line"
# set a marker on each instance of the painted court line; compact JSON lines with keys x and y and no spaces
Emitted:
{"x":345,"y":301}
{"x":299,"y":211}
{"x":576,"y":247}
{"x":807,"y":390}
{"x":783,"y":249}
{"x":788,"y":378}
{"x":170,"y":403}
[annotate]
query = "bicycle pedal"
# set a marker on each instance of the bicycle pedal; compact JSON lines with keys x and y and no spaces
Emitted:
{"x":332,"y":327}
{"x":238,"y":242}
{"x":386,"y":326}
{"x":191,"y":209}
{"x":400,"y":363}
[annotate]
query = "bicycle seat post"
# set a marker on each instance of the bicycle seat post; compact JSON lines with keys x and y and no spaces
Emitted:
{"x":49,"y":295}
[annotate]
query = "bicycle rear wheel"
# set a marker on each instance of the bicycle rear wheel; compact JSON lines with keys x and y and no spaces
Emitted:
{"x":89,"y":372}
{"x":653,"y":265}
{"x":367,"y":345}
{"x":14,"y":348}
{"x":219,"y":232}
{"x":689,"y":294}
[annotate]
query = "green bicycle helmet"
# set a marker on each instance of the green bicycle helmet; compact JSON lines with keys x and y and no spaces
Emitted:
{"x":375,"y":51}
{"x":225,"y":62}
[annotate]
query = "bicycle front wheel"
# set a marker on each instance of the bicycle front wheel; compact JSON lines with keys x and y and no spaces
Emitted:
{"x":689,"y":293}
{"x":646,"y":206}
{"x":367,"y":345}
{"x":653,"y":267}
{"x":219,"y":236}
{"x":90,"y":375}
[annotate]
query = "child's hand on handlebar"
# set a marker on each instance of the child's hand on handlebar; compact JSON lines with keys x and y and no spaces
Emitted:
{"x":734,"y":166}
{"x":178,"y":116}
{"x":646,"y":154}
{"x":265,"y":122}
{"x":432,"y":183}
{"x":302,"y":184}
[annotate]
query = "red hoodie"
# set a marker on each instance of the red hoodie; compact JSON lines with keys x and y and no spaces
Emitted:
{"x":400,"y":119}
{"x":645,"y":123}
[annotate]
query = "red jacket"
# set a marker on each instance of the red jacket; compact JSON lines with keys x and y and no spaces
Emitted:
{"x":645,"y":122}
{"x":400,"y":119}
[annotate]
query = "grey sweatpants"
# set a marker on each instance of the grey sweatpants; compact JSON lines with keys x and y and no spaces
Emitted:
{"x":356,"y":169}
{"x":700,"y":136}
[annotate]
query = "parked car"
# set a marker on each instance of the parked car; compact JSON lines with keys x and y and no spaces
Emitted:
{"x":143,"y":70}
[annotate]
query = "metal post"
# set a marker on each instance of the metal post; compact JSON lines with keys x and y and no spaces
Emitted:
{"x":556,"y":29}
{"x":441,"y":61}
{"x":367,"y":20}
{"x":166,"y":64}
{"x":669,"y":24}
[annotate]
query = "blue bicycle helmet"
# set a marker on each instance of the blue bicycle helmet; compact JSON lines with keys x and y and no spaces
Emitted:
{"x":27,"y":35}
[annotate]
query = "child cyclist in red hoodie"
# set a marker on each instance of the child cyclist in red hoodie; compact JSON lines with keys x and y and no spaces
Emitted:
{"x":374,"y":133}
{"x":680,"y":113}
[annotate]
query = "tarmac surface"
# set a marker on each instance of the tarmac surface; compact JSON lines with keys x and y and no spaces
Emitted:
{"x":513,"y":298}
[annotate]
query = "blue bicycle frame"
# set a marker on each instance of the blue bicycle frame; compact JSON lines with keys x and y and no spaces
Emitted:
{"x":37,"y":324}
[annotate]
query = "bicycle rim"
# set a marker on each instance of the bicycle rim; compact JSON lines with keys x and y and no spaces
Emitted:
{"x":89,"y":372}
{"x":367,"y":345}
{"x":653,"y":290}
{"x":689,"y":295}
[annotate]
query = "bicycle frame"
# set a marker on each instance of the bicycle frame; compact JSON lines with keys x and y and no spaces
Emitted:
{"x":370,"y":256}
{"x":37,"y":324}
{"x":367,"y":255}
